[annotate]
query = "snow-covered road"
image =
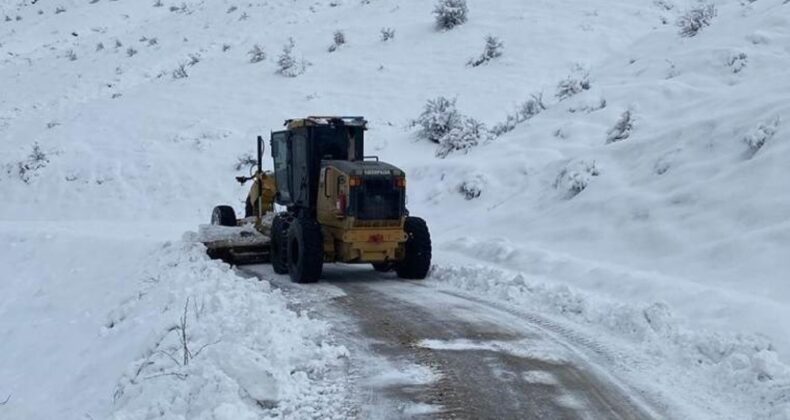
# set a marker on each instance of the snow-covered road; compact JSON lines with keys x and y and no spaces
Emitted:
{"x":420,"y":350}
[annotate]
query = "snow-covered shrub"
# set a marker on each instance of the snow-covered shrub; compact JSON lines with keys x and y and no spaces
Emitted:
{"x":737,"y":62}
{"x":532,"y":107}
{"x":664,"y":5}
{"x":158,"y":3}
{"x":71,"y":55}
{"x":225,"y":47}
{"x":524,"y":112}
{"x":694,"y":20}
{"x":764,"y":132}
{"x":287,"y":65}
{"x":472,"y":188}
{"x":438,"y":118}
{"x":257,"y":54}
{"x":338,"y":39}
{"x":180,"y":72}
{"x":465,"y":136}
{"x":575,"y":177}
{"x":664,"y":163}
{"x":387,"y":34}
{"x":28,"y":168}
{"x":245,"y":161}
{"x":99,"y":46}
{"x":286,"y":62}
{"x":118,"y":43}
{"x":152,"y":42}
{"x":231,"y":9}
{"x":577,"y":82}
{"x":131,"y":52}
{"x":440,"y":122}
{"x":180,"y":9}
{"x":589,"y":106}
{"x":193,"y":59}
{"x":492,"y":50}
{"x":59,"y":10}
{"x":622,"y":129}
{"x":450,"y":13}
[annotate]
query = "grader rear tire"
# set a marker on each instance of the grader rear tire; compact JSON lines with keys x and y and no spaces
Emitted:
{"x":305,"y":251}
{"x":417,"y":261}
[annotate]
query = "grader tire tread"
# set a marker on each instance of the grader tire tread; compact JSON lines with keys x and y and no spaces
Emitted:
{"x":417,"y":261}
{"x":279,"y":242}
{"x":305,"y":251}
{"x":223,"y":215}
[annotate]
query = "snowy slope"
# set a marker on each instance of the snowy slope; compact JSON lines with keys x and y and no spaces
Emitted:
{"x":684,"y":213}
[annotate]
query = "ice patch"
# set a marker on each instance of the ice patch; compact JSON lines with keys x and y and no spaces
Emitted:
{"x":404,"y":375}
{"x":539,"y":377}
{"x":420,"y":409}
{"x":529,"y":349}
{"x":570,"y":401}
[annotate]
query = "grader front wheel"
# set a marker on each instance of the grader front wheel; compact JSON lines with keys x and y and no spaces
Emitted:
{"x":223,"y":216}
{"x":279,"y":245}
{"x":305,"y":251}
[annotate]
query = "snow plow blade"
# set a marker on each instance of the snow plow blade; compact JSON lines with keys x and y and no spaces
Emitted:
{"x":235,"y":245}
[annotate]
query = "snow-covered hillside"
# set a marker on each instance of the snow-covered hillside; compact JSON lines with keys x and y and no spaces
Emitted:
{"x":648,"y":201}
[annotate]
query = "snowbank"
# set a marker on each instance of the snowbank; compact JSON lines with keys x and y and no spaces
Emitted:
{"x":156,"y":329}
{"x":714,"y":375}
{"x":221,"y":347}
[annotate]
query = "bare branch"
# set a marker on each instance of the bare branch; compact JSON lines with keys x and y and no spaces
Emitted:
{"x":8,"y":398}
{"x":183,"y":328}
{"x":181,"y":376}
{"x":203,"y":347}
{"x":142,"y":366}
{"x":198,"y":309}
{"x":170,"y":356}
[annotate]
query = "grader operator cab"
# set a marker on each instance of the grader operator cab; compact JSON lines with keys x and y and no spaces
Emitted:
{"x":340,"y":206}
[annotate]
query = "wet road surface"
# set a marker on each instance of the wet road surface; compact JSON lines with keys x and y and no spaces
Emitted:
{"x":424,"y":352}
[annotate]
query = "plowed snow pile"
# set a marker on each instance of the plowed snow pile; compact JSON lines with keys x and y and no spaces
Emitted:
{"x":156,"y":330}
{"x":618,"y":166}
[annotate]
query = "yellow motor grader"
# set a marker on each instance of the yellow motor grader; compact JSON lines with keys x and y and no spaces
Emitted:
{"x":339,"y":206}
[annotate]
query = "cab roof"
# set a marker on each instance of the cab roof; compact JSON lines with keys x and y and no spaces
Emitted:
{"x":352,"y":121}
